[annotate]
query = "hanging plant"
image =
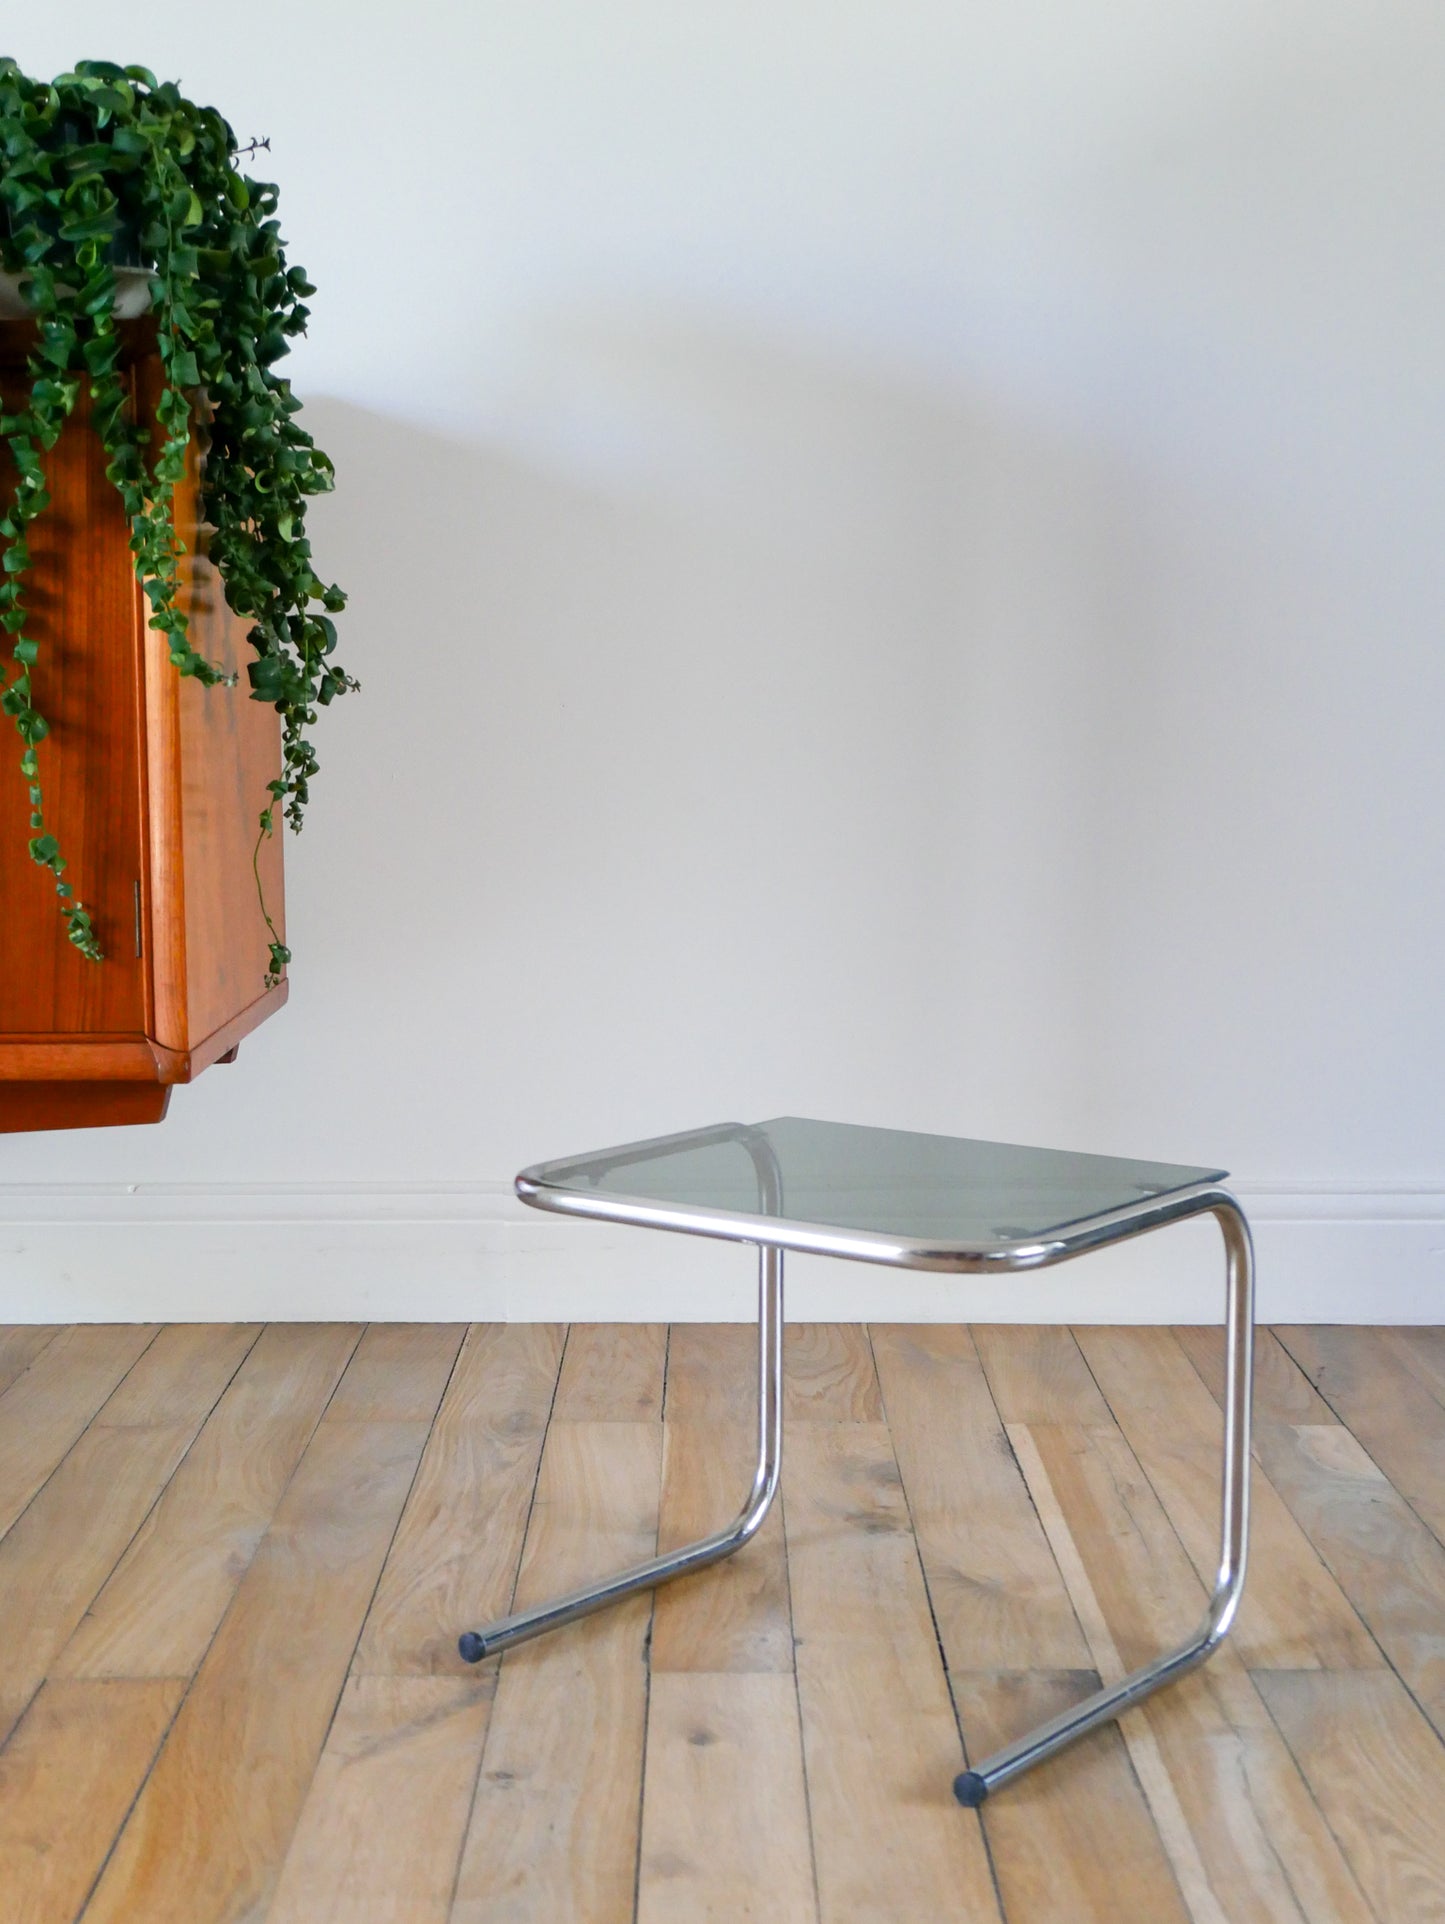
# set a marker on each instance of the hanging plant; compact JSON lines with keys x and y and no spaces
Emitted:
{"x":107,"y":169}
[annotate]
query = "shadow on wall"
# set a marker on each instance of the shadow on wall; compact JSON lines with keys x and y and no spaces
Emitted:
{"x":731,"y":734}
{"x":741,"y":731}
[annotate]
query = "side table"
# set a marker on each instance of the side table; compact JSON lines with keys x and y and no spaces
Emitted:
{"x":912,"y":1201}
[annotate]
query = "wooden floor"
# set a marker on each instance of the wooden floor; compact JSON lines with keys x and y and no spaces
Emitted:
{"x":234,"y":1563}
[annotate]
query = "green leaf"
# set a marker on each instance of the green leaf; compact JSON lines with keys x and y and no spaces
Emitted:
{"x":108,"y":149}
{"x":89,"y":227}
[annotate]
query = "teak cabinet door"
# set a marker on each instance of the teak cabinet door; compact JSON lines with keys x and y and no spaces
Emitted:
{"x":153,"y":787}
{"x":209,"y":754}
{"x":87,"y":685}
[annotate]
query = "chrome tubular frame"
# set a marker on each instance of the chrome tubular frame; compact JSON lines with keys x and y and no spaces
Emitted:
{"x":570,"y":1189}
{"x":972,"y":1786}
{"x":476,"y":1644}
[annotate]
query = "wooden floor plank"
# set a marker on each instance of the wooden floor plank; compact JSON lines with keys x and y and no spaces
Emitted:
{"x":47,"y":1407}
{"x":381,"y":1830}
{"x":612,"y":1372}
{"x":1044,"y":1830}
{"x":1244,"y":1836}
{"x":159,"y":1611}
{"x":67,"y":1777}
{"x":20,"y":1344}
{"x":1379,"y":1774}
{"x":1037,"y":1374}
{"x":733,"y":1616}
{"x":454,"y":1561}
{"x":1385,"y":1560}
{"x":205,"y":1841}
{"x":880,"y":1739}
{"x":233,"y":1582}
{"x":397,"y":1373}
{"x":1386,"y":1405}
{"x":554,"y":1830}
{"x":179,"y":1377}
{"x":712,"y":1373}
{"x":1008,"y":1626}
{"x":66,"y":1544}
{"x":996,"y":1591}
{"x":1294,"y":1616}
{"x":725,"y":1812}
{"x":1282,"y":1391}
{"x":828,"y":1374}
{"x":1423,"y":1353}
{"x":1389,"y":1565}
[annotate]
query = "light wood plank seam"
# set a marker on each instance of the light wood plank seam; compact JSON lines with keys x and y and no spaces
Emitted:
{"x":1005,"y":1431}
{"x":1040,"y":1498}
{"x":793,"y":1646}
{"x":83,"y":1431}
{"x":195,"y":1437}
{"x":55,"y":1330}
{"x":1260,"y":1330}
{"x":651,"y":1616}
{"x":1150,"y":1768}
{"x":380,"y":1569}
{"x":119,"y":1830}
{"x":1306,"y":1780}
{"x":1391,"y":1334}
{"x":1256,"y":1471}
{"x":1323,"y":1555}
{"x":647,"y":1644}
{"x":1326,"y":1401}
{"x":240,"y":1579}
{"x":58,"y":1329}
{"x":164,"y":1736}
{"x":932,"y":1613}
{"x":522,"y":1536}
{"x":100,"y":1682}
{"x":1126,"y":1721}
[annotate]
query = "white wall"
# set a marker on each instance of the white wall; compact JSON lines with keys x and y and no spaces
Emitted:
{"x":894,"y":555}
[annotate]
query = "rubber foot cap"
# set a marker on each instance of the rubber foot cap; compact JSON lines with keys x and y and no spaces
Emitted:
{"x":970,"y":1789}
{"x":472,"y":1647}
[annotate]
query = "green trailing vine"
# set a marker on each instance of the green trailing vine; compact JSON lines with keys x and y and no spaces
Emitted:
{"x":100,"y":168}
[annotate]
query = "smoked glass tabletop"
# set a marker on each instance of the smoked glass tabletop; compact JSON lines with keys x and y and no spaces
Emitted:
{"x":884,"y":1194}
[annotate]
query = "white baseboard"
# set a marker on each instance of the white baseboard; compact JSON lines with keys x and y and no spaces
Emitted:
{"x":466,"y":1252}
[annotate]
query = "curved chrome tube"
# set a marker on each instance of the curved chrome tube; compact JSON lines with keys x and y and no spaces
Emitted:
{"x":972,"y":1786}
{"x":476,"y":1644}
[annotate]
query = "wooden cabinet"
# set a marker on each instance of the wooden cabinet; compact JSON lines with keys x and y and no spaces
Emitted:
{"x":153,"y":786}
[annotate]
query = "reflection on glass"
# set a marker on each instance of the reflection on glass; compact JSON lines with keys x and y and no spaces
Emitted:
{"x":889,"y":1182}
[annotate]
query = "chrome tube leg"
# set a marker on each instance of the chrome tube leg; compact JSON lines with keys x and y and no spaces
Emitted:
{"x":476,"y":1644}
{"x":972,"y":1786}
